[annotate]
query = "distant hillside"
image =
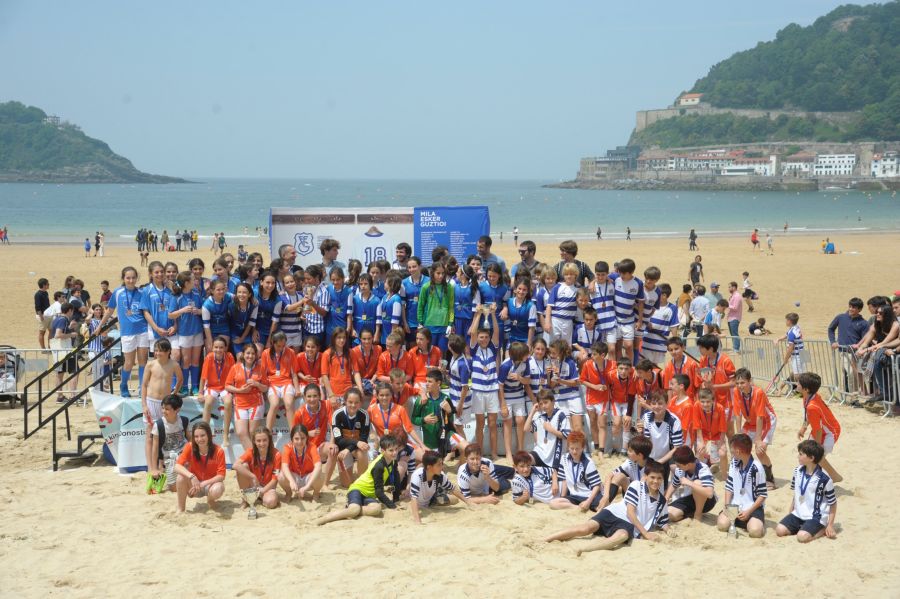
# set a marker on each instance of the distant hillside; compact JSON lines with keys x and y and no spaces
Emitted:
{"x":848,"y":60}
{"x":35,"y":148}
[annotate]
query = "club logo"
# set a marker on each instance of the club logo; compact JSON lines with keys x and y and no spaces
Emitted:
{"x":303,"y":243}
{"x":373,"y":232}
{"x":105,"y":421}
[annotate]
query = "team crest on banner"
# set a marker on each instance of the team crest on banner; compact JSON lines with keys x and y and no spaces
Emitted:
{"x":303,"y":243}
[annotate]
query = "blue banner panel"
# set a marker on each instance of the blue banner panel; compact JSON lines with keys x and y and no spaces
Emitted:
{"x":457,"y":228}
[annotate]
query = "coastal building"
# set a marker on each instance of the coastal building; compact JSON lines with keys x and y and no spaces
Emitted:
{"x":834,"y":164}
{"x":798,"y":165}
{"x":614,"y":164}
{"x":52,"y":119}
{"x":689,"y":99}
{"x":762,"y":167}
{"x":885,"y":165}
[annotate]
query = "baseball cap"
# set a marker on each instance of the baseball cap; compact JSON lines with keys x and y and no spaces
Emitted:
{"x":714,"y":284}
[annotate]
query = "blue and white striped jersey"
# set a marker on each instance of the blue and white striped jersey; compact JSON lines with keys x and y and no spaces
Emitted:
{"x":562,"y":301}
{"x":289,"y":322}
{"x":475,"y":483}
{"x":538,"y":484}
{"x":566,"y":395}
{"x":651,"y":511}
{"x":460,"y":373}
{"x":603,"y":300}
{"x":581,"y":477}
{"x":628,"y":294}
{"x":422,"y":491}
{"x":813,"y":494}
{"x":701,"y":472}
{"x":547,"y":446}
{"x":795,"y":336}
{"x":664,"y":435}
{"x":658,"y":326}
{"x":514,"y":391}
{"x":484,"y":368}
{"x":746,"y":483}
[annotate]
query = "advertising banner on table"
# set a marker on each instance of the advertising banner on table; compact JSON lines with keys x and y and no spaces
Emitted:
{"x":124,"y":428}
{"x":369,"y":234}
{"x":457,"y":228}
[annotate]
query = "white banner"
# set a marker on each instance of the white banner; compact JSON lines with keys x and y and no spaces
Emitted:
{"x":124,"y":430}
{"x":366,"y":234}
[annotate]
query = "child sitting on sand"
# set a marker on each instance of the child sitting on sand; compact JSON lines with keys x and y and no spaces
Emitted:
{"x":430,"y":487}
{"x":200,"y":469}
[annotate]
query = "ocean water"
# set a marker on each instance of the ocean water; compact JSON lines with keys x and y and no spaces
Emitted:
{"x":68,"y":213}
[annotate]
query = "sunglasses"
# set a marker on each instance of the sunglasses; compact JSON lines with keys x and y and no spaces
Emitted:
{"x":523,"y":251}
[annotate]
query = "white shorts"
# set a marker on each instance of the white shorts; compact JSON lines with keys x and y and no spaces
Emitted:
{"x":796,"y":365}
{"x":485,"y":402}
{"x":189,"y":341}
{"x":769,"y":436}
{"x":570,"y":408}
{"x":609,"y":407}
{"x":714,"y":451}
{"x":611,"y":336}
{"x":562,"y":329}
{"x":219,"y":395}
{"x":301,"y":481}
{"x":281,"y":391}
{"x":152,"y":337}
{"x":455,"y":440}
{"x":468,"y":416}
{"x":154,"y":406}
{"x":828,"y":442}
{"x":254,"y":413}
{"x":132,"y":343}
{"x":295,"y":339}
{"x":625,"y":332}
{"x":518,"y":408}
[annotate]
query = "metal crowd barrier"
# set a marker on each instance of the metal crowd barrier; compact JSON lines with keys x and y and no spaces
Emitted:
{"x":852,"y":382}
{"x":761,"y":357}
{"x":27,"y":364}
{"x":892,"y":393}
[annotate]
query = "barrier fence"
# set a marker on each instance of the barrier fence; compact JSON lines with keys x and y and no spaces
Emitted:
{"x":20,"y":366}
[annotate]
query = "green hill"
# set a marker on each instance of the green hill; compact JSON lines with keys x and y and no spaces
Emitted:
{"x":847,"y":60}
{"x":34,"y":148}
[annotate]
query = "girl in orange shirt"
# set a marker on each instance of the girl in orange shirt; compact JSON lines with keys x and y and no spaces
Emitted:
{"x":301,"y":471}
{"x":308,"y":365}
{"x":423,"y":357}
{"x":247,"y":382}
{"x":337,"y":369}
{"x":278,"y":364}
{"x":216,"y":367}
{"x":365,"y":362}
{"x":260,"y":467}
{"x":200,"y":468}
{"x":386,"y":415}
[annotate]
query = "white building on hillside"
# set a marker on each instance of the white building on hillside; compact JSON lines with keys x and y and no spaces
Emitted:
{"x":689,"y":99}
{"x":834,"y":164}
{"x":885,"y":165}
{"x":798,"y":165}
{"x":764,"y":167}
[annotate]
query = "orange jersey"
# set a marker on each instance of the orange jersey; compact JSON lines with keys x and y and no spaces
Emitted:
{"x":279,"y":366}
{"x":262,"y":470}
{"x":620,"y":391}
{"x":597,"y":375}
{"x":420,"y":362}
{"x":387,"y":362}
{"x":820,"y":419}
{"x":300,"y":461}
{"x":238,"y":377}
{"x":687,"y":367}
{"x":319,"y":420}
{"x":339,"y":370}
{"x":712,"y":426}
{"x":215,"y":373}
{"x":646,"y":388}
{"x":683,"y":410}
{"x":365,"y":364}
{"x":313,"y":368}
{"x":388,"y":419}
{"x":752,"y":408}
{"x":206,"y":467}
{"x":723,"y":373}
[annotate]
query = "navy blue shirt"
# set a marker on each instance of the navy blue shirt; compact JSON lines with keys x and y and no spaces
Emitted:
{"x":849,"y":330}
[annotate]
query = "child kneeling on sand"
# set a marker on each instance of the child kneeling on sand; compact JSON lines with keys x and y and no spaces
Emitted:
{"x":200,"y":469}
{"x":814,"y":506}
{"x":643,"y":510}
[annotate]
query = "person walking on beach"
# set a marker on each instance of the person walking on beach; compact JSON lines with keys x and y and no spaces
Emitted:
{"x":769,"y":241}
{"x":627,"y":233}
{"x":165,"y":240}
{"x":693,"y":239}
{"x":101,"y":242}
{"x":87,"y":247}
{"x":754,"y":239}
{"x":5,"y":237}
{"x":599,"y":234}
{"x":695,"y":274}
{"x":215,"y":244}
{"x":516,"y":235}
{"x":222,"y":243}
{"x":96,"y":243}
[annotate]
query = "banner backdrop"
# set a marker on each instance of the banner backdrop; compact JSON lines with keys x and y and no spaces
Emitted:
{"x":124,"y":430}
{"x":369,"y":234}
{"x":454,"y":227}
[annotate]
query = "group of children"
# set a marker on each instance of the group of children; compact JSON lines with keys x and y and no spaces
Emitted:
{"x":528,"y":355}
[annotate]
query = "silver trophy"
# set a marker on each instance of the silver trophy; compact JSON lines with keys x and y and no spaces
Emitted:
{"x":732,"y":510}
{"x":309,"y":291}
{"x":250,"y":495}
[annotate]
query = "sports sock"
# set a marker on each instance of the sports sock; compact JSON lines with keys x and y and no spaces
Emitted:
{"x":141,"y":376}
{"x":185,"y":378}
{"x":613,"y":491}
{"x":126,"y":374}
{"x":195,"y":377}
{"x":769,"y":476}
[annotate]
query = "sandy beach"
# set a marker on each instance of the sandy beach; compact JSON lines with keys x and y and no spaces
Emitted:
{"x":87,"y":531}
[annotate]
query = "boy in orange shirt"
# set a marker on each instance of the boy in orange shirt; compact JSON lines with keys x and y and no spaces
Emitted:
{"x":755,"y":417}
{"x":709,"y":426}
{"x":278,"y":363}
{"x":315,"y":414}
{"x":402,"y":393}
{"x":681,"y":363}
{"x":216,"y":367}
{"x":393,"y":357}
{"x":595,"y":375}
{"x":824,"y":427}
{"x":622,"y":389}
{"x":720,"y":377}
{"x":681,"y":404}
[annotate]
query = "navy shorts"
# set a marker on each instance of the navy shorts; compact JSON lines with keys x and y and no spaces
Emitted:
{"x":577,"y":499}
{"x":689,"y":507}
{"x":759,"y":513}
{"x":795,"y":525}
{"x":610,"y":524}
{"x":356,"y":497}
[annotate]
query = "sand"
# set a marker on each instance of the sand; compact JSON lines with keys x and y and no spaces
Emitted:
{"x":86,"y":531}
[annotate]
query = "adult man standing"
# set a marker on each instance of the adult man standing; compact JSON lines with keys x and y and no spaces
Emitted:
{"x":178,"y":240}
{"x":402,"y":253}
{"x":567,"y":251}
{"x":527,"y":250}
{"x":735,"y":311}
{"x":699,"y":309}
{"x":851,"y":327}
{"x":484,"y":252}
{"x":695,"y":273}
{"x":329,"y":249}
{"x":288,"y":256}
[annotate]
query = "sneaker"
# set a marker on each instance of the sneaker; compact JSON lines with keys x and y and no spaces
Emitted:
{"x":183,"y":391}
{"x":195,"y":391}
{"x":125,"y":393}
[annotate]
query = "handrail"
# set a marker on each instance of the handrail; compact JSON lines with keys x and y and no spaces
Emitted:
{"x":42,"y":396}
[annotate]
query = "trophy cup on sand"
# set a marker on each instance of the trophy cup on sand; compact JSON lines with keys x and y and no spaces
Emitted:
{"x":732,"y":510}
{"x":250,"y":495}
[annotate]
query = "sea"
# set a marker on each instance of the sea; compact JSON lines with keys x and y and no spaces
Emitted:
{"x":67,"y":213}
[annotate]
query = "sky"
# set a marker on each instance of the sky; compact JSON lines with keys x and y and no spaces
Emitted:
{"x":369,"y":90}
